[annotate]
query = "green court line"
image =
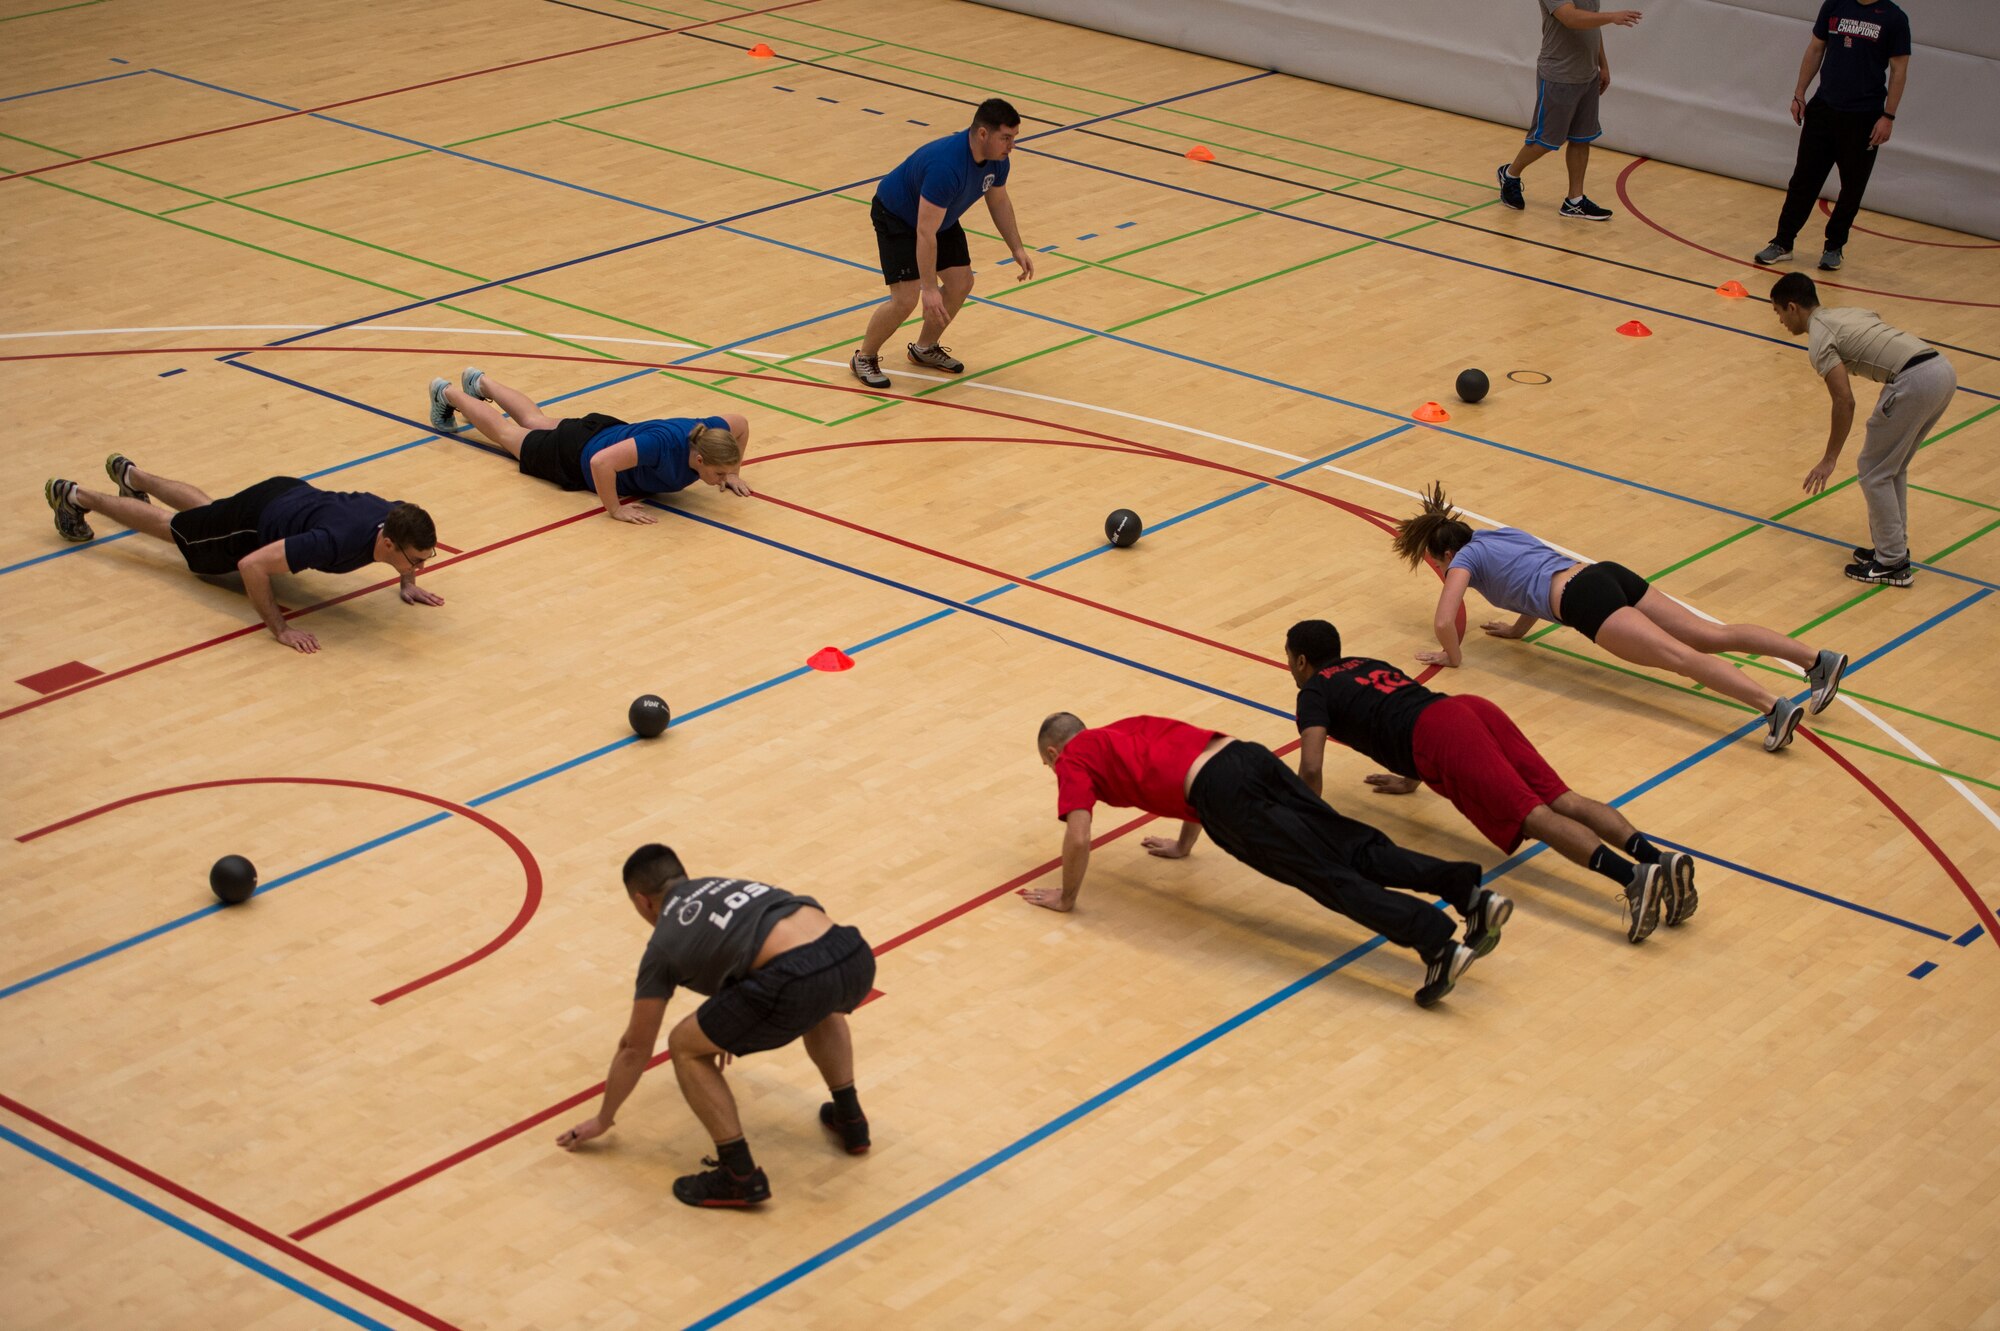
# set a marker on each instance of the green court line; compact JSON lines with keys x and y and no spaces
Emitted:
{"x":37,"y":13}
{"x":1753,"y":663}
{"x":1117,"y":97}
{"x":1957,"y":499}
{"x":320,"y":175}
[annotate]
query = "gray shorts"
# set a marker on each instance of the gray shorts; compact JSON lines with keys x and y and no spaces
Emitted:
{"x":1564,"y":111}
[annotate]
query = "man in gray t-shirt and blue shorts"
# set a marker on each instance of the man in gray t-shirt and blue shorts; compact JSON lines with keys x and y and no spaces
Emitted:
{"x":775,"y":970}
{"x":1571,"y":74}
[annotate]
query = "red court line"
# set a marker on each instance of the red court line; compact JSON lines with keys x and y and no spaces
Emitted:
{"x":226,"y":1216}
{"x":1625,"y":196}
{"x":249,"y":629}
{"x":392,"y":92}
{"x":531,"y":899}
{"x":1826,"y":210}
{"x":1979,"y":906}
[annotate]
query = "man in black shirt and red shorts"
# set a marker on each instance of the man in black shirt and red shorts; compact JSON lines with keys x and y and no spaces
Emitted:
{"x":776,"y":969}
{"x":1861,"y":51}
{"x":1256,"y":809}
{"x":1470,"y":752}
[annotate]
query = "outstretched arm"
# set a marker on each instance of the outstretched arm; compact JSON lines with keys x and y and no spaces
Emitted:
{"x":257,"y":569}
{"x":1842,"y":392}
{"x":1075,"y":863}
{"x":1001,"y":206}
{"x":1444,"y":620}
{"x":635,"y":1051}
{"x":1572,"y":17}
{"x":1312,"y":754}
{"x":1808,"y":67}
{"x":604,"y":468}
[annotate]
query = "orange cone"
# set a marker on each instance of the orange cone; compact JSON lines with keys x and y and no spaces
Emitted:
{"x":761,"y":52}
{"x":1200,"y":154}
{"x":1432,"y":413}
{"x":830,"y":658}
{"x":1635,"y":329}
{"x":1732,"y":289}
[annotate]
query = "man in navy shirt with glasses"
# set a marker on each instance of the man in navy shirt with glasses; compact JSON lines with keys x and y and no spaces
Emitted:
{"x":1861,"y":52}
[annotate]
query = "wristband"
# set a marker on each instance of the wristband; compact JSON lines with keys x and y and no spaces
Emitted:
{"x":1887,"y":116}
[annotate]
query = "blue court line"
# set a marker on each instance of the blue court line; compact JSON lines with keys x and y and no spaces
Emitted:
{"x":168,"y":374}
{"x":1828,"y":897}
{"x":958,"y":1181}
{"x":679,"y":720}
{"x":722,"y":222}
{"x":336,"y":467}
{"x":1923,"y":969}
{"x":65,"y":87}
{"x":201,"y":1236}
{"x":1965,"y":939}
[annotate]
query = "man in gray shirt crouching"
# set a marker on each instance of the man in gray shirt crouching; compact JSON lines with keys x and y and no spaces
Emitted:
{"x":775,"y":970}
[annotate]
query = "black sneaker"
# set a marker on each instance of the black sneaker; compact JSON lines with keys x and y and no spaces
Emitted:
{"x":1482,"y":926}
{"x":1584,"y":210}
{"x":1679,"y":899}
{"x":1887,"y":575}
{"x":935,"y":358}
{"x":1442,"y":971}
{"x":716,"y":1186}
{"x":1642,"y":901}
{"x":851,"y":1133}
{"x":1510,"y":190}
{"x":70,"y":522}
{"x":118,"y":467}
{"x":1864,"y":554}
{"x":868,"y":369}
{"x":1784,"y":718}
{"x":1824,"y":676}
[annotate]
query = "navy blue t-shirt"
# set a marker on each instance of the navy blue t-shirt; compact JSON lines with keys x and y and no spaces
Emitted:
{"x":663,"y":454}
{"x":330,"y":530}
{"x":1860,"y":40}
{"x":944,"y":172}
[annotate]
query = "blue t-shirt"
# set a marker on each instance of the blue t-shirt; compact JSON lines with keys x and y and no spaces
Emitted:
{"x":1512,"y":569}
{"x":663,"y":454}
{"x":1860,"y":41}
{"x":330,"y":530}
{"x":943,"y":172}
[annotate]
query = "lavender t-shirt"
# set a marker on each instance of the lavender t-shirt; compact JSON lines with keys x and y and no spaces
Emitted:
{"x":1512,"y":569}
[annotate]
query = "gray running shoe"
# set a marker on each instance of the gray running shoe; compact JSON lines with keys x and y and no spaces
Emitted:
{"x":868,"y":369}
{"x":1642,"y":901}
{"x":471,"y":381}
{"x":443,"y":418}
{"x":1510,"y":189}
{"x":70,"y":524}
{"x":1784,"y":718}
{"x":115,"y":467}
{"x":935,"y":358}
{"x":1824,"y":676}
{"x":1829,"y":258}
{"x":1441,"y":972}
{"x":1679,"y":899}
{"x":1770,"y":254}
{"x":1482,"y":926}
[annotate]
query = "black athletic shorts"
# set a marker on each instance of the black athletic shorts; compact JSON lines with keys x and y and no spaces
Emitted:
{"x":556,"y":455}
{"x":778,"y":1002}
{"x":214,"y":537}
{"x":896,"y":241}
{"x":1592,"y":595}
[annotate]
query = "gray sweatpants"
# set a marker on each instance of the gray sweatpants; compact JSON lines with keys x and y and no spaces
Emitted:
{"x":1908,"y":409}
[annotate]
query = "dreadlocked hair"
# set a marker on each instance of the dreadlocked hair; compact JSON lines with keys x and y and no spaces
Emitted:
{"x":1437,"y":530}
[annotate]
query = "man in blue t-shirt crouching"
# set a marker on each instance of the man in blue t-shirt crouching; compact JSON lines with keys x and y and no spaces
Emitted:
{"x":924,"y":256}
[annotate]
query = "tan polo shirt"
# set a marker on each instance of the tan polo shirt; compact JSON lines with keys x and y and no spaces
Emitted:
{"x":1858,"y":339}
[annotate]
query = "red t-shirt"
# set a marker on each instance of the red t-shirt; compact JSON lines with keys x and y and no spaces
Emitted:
{"x":1139,"y":763}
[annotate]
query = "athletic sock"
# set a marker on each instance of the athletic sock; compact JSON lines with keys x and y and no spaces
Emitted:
{"x":1641,"y":849}
{"x":1512,"y":174}
{"x":1615,"y":867}
{"x":846,"y":1103}
{"x":1577,"y":199}
{"x":735,"y":1157}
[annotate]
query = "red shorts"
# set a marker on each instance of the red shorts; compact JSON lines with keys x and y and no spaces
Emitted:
{"x":1470,"y":752}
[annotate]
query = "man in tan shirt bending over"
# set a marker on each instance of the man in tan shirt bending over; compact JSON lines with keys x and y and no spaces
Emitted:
{"x":1917,"y":385}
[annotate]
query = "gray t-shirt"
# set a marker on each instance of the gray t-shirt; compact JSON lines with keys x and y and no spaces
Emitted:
{"x":709,"y":932}
{"x":1569,"y":55}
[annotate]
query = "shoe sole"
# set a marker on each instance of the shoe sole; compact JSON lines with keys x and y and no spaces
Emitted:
{"x":1822,"y":700}
{"x":1647,"y":917}
{"x":1580,"y":217}
{"x":1783,"y":738}
{"x":1680,"y":875}
{"x":1767,"y":263}
{"x":1883,"y":582}
{"x":941,"y":369}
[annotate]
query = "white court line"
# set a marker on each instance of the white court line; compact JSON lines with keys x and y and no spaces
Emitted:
{"x":1970,"y":795}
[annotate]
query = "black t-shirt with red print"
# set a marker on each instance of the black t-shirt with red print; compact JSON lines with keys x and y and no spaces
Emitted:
{"x":1368,"y":705}
{"x":1860,"y":40}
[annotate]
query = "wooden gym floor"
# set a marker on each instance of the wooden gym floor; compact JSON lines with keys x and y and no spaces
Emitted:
{"x":241,"y":239}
